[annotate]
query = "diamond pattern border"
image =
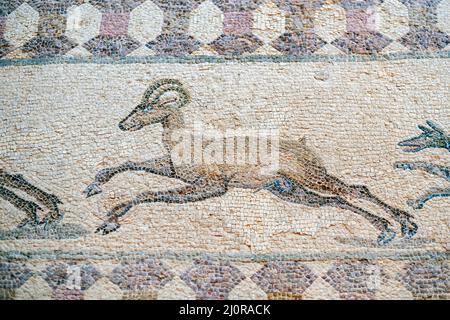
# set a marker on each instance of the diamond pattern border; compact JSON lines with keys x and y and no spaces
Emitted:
{"x":231,"y":28}
{"x":213,"y":278}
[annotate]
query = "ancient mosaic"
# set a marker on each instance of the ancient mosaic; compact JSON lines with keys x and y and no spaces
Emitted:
{"x":224,"y":149}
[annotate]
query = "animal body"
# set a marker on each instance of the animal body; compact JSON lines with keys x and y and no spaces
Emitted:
{"x":47,"y":200}
{"x":300,"y":178}
{"x":432,"y":136}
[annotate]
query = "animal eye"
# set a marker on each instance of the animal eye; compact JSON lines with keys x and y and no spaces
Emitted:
{"x":148,"y":108}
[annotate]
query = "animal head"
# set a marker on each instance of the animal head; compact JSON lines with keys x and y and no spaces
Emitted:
{"x":160,"y":101}
{"x":432,"y":136}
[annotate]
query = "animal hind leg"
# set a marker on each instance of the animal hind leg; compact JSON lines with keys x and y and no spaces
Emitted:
{"x":324,"y":182}
{"x":50,"y":201}
{"x":408,"y":227}
{"x":161,"y":166}
{"x":30,"y":208}
{"x":191,"y":193}
{"x":298,"y":194}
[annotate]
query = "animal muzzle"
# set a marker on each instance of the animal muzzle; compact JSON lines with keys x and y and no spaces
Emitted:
{"x":130,"y":123}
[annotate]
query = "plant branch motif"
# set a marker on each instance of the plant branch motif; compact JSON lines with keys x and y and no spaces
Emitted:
{"x":47,"y":200}
{"x":301,"y":177}
{"x":432,"y":136}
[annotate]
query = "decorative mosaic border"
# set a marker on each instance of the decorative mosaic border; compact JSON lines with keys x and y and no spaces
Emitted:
{"x":238,"y":59}
{"x":81,"y":255}
{"x":210,"y":278}
{"x":219,"y":30}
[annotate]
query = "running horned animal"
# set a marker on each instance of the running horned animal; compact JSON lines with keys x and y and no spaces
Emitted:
{"x":301,"y":177}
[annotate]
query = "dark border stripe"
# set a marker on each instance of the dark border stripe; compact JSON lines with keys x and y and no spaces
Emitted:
{"x":216,"y":59}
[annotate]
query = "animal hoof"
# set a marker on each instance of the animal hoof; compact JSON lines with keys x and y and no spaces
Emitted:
{"x":49,"y":220}
{"x":92,"y":189}
{"x":415,"y":204}
{"x":409,"y":229}
{"x":107,"y":227}
{"x":387,"y":236}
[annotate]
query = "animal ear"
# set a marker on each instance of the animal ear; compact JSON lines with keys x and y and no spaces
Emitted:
{"x":172,"y":99}
{"x":435,"y":126}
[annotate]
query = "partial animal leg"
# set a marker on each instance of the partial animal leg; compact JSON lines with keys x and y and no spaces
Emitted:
{"x":30,"y":208}
{"x":408,"y":228}
{"x":293,"y":192}
{"x":434,"y":169}
{"x":323,"y":182}
{"x":161,"y":166}
{"x":191,"y":193}
{"x":427,"y":196}
{"x":48,"y":200}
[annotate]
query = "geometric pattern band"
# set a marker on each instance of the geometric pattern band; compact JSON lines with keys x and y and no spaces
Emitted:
{"x":36,"y":29}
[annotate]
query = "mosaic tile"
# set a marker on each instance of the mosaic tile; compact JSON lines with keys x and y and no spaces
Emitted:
{"x":355,"y":281}
{"x":13,"y":275}
{"x":212,"y":279}
{"x":145,"y":22}
{"x":284,"y":280}
{"x":83,"y":23}
{"x":114,"y":24}
{"x":2,"y":26}
{"x":236,"y":44}
{"x":6,"y":7}
{"x":423,"y":34}
{"x":362,"y":42}
{"x":330,"y":22}
{"x":75,"y":278}
{"x":5,"y":47}
{"x":298,"y":43}
{"x":174,"y":44}
{"x":111,"y":46}
{"x":145,"y":275}
{"x":34,"y":288}
{"x":117,"y":6}
{"x":269,"y":21}
{"x":21,"y":25}
{"x":427,"y":279}
{"x":300,"y":36}
{"x":393,"y":19}
{"x":442,"y":9}
{"x":206,"y":22}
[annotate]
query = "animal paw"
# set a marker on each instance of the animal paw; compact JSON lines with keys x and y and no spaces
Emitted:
{"x":107,"y":227}
{"x":92,"y":189}
{"x":409,"y":229}
{"x":386,"y":236}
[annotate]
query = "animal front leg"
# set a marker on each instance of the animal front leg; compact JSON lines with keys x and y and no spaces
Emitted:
{"x":434,"y":169}
{"x":427,"y":196}
{"x":30,"y":208}
{"x":161,"y":166}
{"x":191,"y":193}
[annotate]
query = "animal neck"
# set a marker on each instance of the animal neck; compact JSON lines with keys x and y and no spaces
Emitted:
{"x":173,"y":122}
